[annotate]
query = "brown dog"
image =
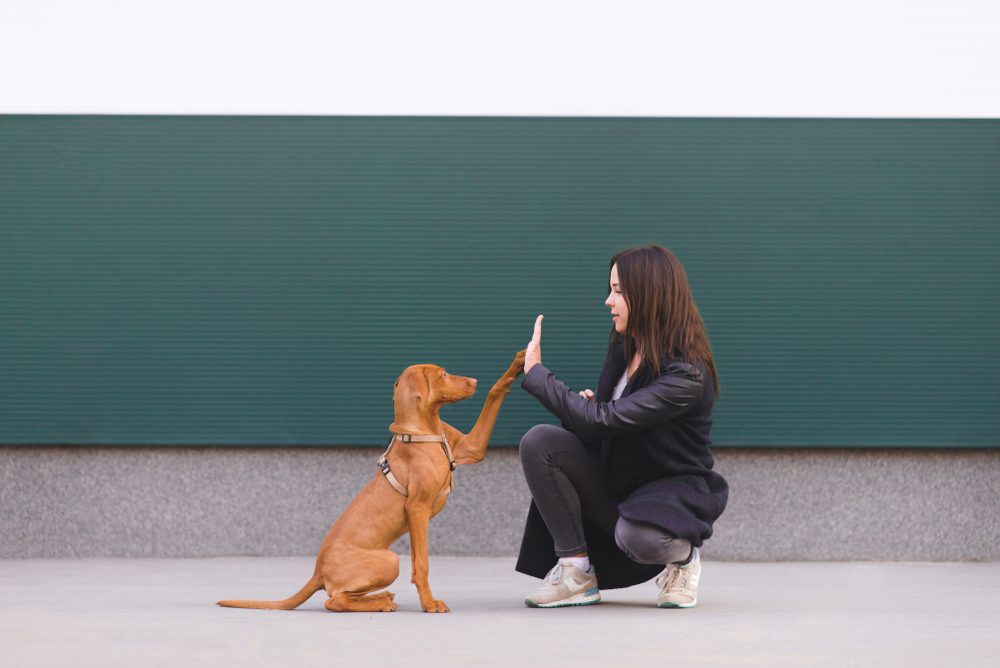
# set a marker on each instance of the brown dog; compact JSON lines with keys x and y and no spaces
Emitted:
{"x":354,"y":560}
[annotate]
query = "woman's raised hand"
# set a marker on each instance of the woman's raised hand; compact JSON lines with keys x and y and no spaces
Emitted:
{"x":533,"y":354}
{"x":587,"y":394}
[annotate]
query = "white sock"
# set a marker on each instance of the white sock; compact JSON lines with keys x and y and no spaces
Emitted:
{"x":583,"y":563}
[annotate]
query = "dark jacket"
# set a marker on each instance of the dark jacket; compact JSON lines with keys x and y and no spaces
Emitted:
{"x":653,"y":444}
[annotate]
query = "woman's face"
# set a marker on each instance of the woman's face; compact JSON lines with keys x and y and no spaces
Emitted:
{"x":616,"y":302}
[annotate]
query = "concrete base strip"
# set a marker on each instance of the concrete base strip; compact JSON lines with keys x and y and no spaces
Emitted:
{"x":130,"y":612}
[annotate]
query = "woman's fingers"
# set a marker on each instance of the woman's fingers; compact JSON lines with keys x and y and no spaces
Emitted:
{"x":587,"y":394}
{"x":536,"y":338}
{"x":533,"y":353}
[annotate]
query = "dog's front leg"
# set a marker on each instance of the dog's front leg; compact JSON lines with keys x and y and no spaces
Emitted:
{"x":418,"y":516}
{"x":471,"y":448}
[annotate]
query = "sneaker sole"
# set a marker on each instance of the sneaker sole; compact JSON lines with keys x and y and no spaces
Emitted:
{"x":586,"y":598}
{"x":677,"y":605}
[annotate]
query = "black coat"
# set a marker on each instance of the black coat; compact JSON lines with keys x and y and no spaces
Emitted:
{"x":653,"y":444}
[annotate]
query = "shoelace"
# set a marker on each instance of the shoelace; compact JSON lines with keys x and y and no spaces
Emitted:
{"x":555,"y":574}
{"x":676,"y":579}
{"x":666,"y":579}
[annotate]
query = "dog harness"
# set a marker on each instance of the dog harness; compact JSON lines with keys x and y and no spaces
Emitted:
{"x":383,"y":461}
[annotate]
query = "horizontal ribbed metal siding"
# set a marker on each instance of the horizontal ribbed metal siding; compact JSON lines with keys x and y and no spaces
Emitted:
{"x":242,"y":280}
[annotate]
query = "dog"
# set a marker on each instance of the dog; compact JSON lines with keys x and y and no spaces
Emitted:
{"x":410,"y":487}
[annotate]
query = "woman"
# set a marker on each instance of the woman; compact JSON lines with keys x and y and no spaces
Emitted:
{"x":625,"y":486}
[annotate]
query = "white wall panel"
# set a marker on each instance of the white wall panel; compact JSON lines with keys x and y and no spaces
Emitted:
{"x":849,"y":58}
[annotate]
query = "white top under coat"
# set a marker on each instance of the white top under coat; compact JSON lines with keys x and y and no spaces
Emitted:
{"x":620,"y":387}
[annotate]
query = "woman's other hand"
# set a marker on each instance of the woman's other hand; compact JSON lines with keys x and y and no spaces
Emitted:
{"x":533,"y":354}
{"x":587,"y":394}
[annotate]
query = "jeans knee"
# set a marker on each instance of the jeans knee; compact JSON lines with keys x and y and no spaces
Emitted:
{"x":533,"y":444}
{"x":648,"y":544}
{"x":628,"y":540}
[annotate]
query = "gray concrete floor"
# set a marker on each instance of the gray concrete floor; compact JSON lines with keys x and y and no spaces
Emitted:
{"x":161,"y":612}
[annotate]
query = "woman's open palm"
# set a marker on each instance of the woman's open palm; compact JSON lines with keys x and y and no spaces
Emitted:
{"x":533,"y":355}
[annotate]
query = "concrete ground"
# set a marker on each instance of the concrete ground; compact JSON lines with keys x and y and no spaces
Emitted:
{"x":161,"y":612}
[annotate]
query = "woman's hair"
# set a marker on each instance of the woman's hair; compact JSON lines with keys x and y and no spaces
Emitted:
{"x":663,"y":321}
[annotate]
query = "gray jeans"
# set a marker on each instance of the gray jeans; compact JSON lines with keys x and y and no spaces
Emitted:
{"x":567,"y":486}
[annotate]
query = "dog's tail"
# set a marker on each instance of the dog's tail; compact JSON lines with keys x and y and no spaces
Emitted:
{"x":294,"y":601}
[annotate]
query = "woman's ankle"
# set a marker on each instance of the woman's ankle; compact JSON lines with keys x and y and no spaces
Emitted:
{"x":579,"y":561}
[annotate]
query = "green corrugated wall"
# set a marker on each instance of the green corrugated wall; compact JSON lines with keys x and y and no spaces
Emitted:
{"x":263,"y":280}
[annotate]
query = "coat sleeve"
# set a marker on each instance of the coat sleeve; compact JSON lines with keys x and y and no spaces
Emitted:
{"x":676,"y":390}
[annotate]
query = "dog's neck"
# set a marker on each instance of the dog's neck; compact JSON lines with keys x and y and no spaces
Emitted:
{"x":409,"y":423}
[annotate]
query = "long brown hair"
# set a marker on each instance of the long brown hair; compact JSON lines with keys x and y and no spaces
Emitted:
{"x":663,"y":320}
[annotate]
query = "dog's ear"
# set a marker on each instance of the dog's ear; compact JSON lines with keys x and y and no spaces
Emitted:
{"x":426,"y":373}
{"x":411,"y":385}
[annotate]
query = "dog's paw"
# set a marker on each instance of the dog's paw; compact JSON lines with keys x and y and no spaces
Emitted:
{"x":517,"y":366}
{"x":436,"y":606}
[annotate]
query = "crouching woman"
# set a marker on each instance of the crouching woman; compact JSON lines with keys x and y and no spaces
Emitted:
{"x":625,"y":489}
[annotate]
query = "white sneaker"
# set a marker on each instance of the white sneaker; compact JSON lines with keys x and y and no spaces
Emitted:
{"x":679,"y":584}
{"x":566,"y":585}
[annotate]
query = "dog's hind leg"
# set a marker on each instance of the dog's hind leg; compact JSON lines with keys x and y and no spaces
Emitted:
{"x":372,"y":570}
{"x":350,"y":602}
